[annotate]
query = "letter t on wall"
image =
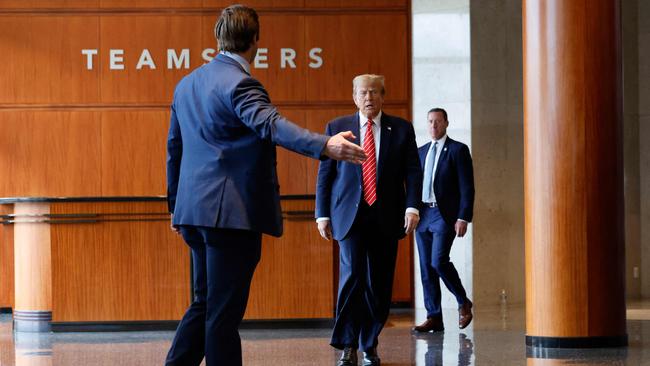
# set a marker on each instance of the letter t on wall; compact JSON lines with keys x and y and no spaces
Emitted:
{"x":89,"y":57}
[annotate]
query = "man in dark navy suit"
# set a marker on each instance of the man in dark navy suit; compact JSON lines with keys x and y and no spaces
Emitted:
{"x":447,"y":207}
{"x":367,"y":209}
{"x":222,"y":185}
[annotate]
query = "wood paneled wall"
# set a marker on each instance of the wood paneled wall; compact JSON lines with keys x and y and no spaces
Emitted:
{"x":72,"y":131}
{"x":117,"y":270}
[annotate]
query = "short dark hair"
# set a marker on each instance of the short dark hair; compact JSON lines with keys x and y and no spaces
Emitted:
{"x":236,"y":28}
{"x":444,"y":112}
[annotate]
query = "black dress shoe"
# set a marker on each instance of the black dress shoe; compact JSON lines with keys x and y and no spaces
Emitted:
{"x":431,"y":324}
{"x":370,"y":357}
{"x":348,"y":357}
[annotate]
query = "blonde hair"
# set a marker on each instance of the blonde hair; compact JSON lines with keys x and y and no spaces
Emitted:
{"x":368,"y":77}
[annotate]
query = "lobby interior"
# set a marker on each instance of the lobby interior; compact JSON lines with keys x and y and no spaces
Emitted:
{"x":464,"y":55}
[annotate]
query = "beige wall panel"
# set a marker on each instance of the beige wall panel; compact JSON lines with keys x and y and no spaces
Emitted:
{"x":49,"y":153}
{"x":351,"y":47}
{"x":42,"y":60}
{"x":133,"y":151}
{"x":118,"y":270}
{"x":157,"y":34}
{"x":302,"y":263}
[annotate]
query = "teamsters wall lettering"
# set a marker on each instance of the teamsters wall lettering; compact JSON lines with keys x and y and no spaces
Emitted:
{"x":181,"y":60}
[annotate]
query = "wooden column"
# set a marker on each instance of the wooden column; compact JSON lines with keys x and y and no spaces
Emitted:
{"x":575,"y":259}
{"x":33,"y":269}
{"x":6,"y":260}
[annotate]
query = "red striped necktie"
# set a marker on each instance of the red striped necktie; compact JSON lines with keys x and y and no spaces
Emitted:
{"x":369,"y":167}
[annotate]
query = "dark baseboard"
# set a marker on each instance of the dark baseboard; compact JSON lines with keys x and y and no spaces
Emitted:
{"x":576,"y":342}
{"x":401,"y":305}
{"x":288,"y":324}
{"x":171,"y":325}
{"x":120,"y":326}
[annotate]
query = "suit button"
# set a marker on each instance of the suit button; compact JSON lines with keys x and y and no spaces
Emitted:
{"x":357,"y":205}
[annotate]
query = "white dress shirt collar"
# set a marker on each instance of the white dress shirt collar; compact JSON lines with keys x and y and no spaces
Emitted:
{"x":363,"y":119}
{"x":441,"y":141}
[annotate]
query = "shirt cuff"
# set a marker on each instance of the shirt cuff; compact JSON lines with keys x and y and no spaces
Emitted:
{"x":462,"y":220}
{"x":321,"y":219}
{"x":413,"y":210}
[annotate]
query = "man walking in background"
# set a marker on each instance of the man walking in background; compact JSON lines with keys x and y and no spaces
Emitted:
{"x":447,"y":207}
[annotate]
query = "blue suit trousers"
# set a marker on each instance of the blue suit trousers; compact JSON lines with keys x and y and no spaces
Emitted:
{"x":366,"y":271}
{"x":434,"y":241}
{"x":223,"y":261}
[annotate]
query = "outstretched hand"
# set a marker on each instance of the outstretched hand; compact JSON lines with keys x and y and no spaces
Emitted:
{"x":339,"y":147}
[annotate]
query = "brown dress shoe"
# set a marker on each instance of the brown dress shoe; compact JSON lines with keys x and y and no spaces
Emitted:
{"x":348,"y":357}
{"x":431,"y":324}
{"x":465,"y":315}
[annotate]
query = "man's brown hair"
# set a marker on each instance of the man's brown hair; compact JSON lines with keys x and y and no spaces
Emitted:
{"x":236,"y":28}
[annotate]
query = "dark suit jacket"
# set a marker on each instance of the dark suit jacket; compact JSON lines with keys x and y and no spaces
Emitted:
{"x":453,"y":183}
{"x":221,"y":150}
{"x":399,"y":178}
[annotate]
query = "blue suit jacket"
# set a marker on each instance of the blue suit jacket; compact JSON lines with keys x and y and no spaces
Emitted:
{"x":399,"y":178}
{"x":221,"y":150}
{"x":453,"y":183}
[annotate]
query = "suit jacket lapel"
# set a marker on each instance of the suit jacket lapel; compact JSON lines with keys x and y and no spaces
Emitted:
{"x":384,"y":143}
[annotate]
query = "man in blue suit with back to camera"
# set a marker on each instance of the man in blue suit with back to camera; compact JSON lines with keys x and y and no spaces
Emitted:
{"x":222,"y":185}
{"x":447,"y":207}
{"x":367,"y":209}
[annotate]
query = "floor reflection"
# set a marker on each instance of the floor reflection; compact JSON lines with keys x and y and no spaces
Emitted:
{"x":492,"y":339}
{"x":436,"y":351}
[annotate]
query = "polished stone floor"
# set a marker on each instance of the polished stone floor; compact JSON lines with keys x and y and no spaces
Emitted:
{"x":496,"y":337}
